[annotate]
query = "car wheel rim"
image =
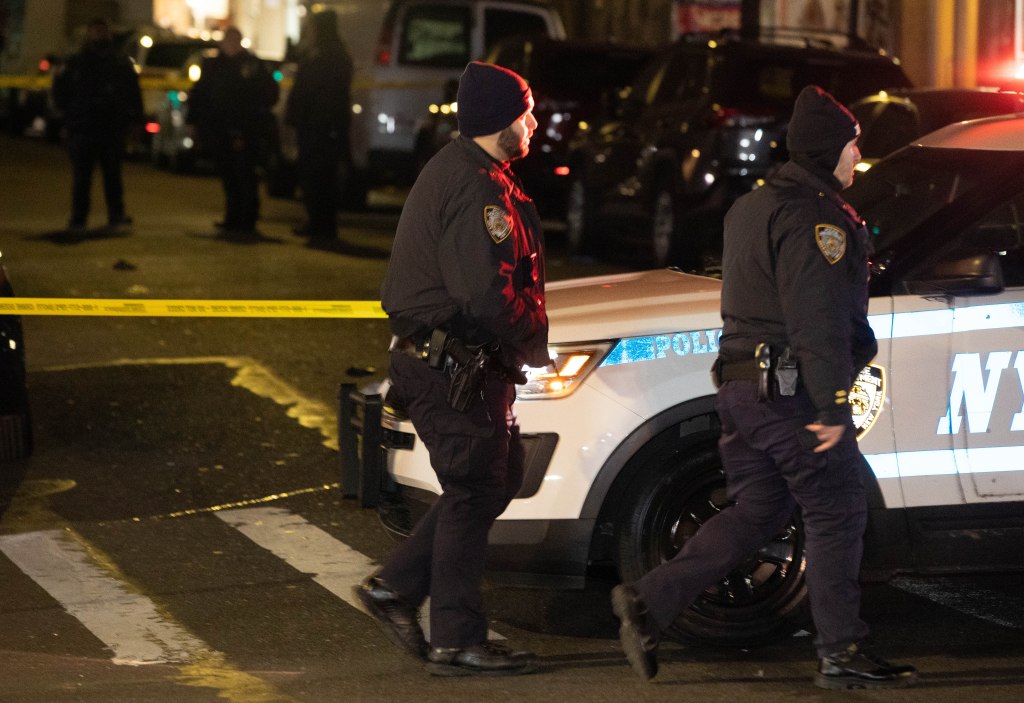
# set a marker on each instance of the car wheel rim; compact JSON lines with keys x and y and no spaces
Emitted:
{"x":758,"y":585}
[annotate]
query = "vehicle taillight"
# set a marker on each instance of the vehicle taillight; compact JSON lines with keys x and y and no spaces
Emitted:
{"x":152,"y":127}
{"x":735,"y":117}
{"x":723,"y":116}
{"x":384,"y":45}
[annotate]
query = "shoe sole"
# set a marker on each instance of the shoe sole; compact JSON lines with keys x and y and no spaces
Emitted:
{"x":384,"y":623}
{"x":452,"y":670}
{"x":849,"y":683}
{"x":632,"y":645}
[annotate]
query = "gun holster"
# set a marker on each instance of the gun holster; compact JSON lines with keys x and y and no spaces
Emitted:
{"x":763,"y":359}
{"x":466,"y":367}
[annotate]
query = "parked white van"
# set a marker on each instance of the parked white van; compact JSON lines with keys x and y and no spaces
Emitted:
{"x":404,"y":51}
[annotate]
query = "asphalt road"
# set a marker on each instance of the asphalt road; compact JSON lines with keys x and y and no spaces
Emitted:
{"x":180,"y":534}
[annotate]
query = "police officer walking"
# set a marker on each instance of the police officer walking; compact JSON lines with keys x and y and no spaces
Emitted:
{"x":98,"y":91}
{"x":464,"y":292}
{"x":229,"y":108}
{"x":794,"y":306}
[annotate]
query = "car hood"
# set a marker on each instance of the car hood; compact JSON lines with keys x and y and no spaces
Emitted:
{"x":632,"y":304}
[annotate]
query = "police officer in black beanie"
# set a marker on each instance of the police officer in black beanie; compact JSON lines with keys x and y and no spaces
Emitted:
{"x":795,"y":334}
{"x":464,"y":290}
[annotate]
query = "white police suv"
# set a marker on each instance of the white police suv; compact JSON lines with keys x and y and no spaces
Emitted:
{"x":622,"y":466}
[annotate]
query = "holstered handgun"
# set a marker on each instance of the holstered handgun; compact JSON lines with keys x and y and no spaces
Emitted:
{"x":466,"y":367}
{"x":467,"y":377}
{"x":763,"y":357}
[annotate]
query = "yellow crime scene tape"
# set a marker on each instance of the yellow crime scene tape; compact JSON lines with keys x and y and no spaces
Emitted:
{"x":42,"y":82}
{"x":113,"y":307}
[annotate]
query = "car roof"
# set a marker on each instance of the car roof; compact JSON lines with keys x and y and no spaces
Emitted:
{"x":1002,"y":133}
{"x":945,"y":99}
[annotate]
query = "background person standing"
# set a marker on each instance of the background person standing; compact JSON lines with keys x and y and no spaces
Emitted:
{"x":229,"y":107}
{"x":467,"y":264}
{"x":795,"y":334}
{"x":319,"y":108}
{"x":98,"y":92}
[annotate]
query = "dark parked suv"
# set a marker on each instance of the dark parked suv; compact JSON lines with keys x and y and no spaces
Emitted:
{"x":572,"y":82}
{"x":702,"y":124}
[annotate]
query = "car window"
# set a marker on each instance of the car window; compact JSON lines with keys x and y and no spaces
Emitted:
{"x":571,"y":72}
{"x":776,"y":80}
{"x":924,"y":190}
{"x":694,"y":76}
{"x":670,"y":82}
{"x":893,"y":126}
{"x":511,"y":56}
{"x":1001,"y":231}
{"x":436,"y":36}
{"x":500,"y":24}
{"x":903,"y":191}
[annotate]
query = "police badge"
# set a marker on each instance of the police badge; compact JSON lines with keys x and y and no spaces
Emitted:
{"x":498,"y":223}
{"x":866,"y":398}
{"x":831,"y":240}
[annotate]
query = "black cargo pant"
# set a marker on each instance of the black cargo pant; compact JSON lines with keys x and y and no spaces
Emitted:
{"x":770,"y":469}
{"x":236,"y":154}
{"x":320,"y":154}
{"x":88,"y":148}
{"x":478,"y":459}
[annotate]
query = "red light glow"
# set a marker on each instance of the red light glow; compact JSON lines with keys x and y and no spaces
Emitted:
{"x":152,"y":127}
{"x":561,"y":170}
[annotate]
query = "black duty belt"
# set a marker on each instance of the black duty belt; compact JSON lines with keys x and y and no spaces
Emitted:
{"x":745,"y":370}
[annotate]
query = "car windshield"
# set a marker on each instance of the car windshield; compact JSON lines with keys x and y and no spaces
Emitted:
{"x":917,"y":183}
{"x":581,"y":74}
{"x":776,"y":81}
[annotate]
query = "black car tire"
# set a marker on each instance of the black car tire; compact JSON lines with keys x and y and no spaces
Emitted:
{"x":15,"y":419}
{"x":579,"y":227}
{"x":677,"y":489}
{"x":15,"y":436}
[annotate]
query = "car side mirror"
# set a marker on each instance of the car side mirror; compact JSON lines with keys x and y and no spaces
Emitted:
{"x":976,"y":274}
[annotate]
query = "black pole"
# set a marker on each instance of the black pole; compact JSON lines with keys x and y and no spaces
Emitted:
{"x":750,"y":19}
{"x":854,"y":24}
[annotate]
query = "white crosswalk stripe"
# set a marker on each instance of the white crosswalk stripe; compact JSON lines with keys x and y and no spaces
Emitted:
{"x":333,"y":564}
{"x":125,"y":621}
{"x":89,"y":586}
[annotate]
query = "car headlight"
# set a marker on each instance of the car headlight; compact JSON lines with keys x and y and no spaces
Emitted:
{"x":570,"y":364}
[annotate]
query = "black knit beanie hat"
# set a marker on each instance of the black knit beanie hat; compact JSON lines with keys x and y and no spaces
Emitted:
{"x":490,"y":99}
{"x":819,"y":130}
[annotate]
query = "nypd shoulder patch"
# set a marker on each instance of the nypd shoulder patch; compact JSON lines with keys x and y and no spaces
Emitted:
{"x":498,"y":223}
{"x":831,"y":241}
